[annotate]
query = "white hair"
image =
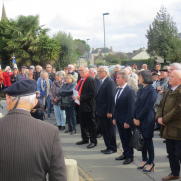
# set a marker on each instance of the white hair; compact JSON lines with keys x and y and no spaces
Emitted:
{"x":119,"y":66}
{"x":42,"y":72}
{"x":166,"y":67}
{"x":105,"y":69}
{"x":86,"y":68}
{"x":62,"y":72}
{"x":71,"y":65}
{"x":7,"y":68}
{"x":176,"y":65}
{"x":178,"y":73}
{"x":30,"y":99}
{"x":59,"y":73}
{"x":94,"y":70}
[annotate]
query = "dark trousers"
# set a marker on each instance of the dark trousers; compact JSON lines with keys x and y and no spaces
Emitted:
{"x":87,"y":124}
{"x":38,"y":115}
{"x":108,"y":132}
{"x":125,"y":136}
{"x":174,"y":151}
{"x":98,"y":125}
{"x":149,"y":148}
{"x":70,"y":115}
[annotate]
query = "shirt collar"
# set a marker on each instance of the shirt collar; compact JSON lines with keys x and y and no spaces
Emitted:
{"x":123,"y":86}
{"x":103,"y":79}
{"x":173,"y":88}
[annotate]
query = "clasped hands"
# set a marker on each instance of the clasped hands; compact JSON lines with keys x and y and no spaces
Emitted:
{"x":74,"y":98}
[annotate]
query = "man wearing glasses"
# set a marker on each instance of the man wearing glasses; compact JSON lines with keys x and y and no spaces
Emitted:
{"x":71,"y":69}
{"x":50,"y":73}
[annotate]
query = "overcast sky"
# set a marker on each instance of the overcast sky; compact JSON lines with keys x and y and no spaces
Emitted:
{"x":126,"y":25}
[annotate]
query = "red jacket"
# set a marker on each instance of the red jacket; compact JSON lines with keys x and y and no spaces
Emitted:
{"x":7,"y":79}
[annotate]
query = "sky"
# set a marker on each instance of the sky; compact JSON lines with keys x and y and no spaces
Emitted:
{"x":125,"y":26}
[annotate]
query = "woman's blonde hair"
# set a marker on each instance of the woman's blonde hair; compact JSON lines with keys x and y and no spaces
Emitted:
{"x":42,"y":72}
{"x":70,"y":76}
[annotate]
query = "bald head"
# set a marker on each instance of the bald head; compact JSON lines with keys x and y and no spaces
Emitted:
{"x":126,"y":70}
{"x":175,"y":78}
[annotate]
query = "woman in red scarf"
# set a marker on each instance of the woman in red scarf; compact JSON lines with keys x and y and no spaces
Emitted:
{"x":7,"y":76}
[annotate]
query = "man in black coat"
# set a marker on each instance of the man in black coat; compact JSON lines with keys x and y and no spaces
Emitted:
{"x":105,"y":107}
{"x":36,"y":75}
{"x":87,"y":92}
{"x":93,"y":73}
{"x":123,"y":115}
{"x":51,"y":75}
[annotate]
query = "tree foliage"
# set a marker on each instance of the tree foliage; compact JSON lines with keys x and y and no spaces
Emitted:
{"x":29,"y":41}
{"x":163,"y":37}
{"x":118,"y":56}
{"x":68,"y":50}
{"x":82,"y":47}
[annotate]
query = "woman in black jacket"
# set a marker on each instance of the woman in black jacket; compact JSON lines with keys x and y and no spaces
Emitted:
{"x":66,"y":93}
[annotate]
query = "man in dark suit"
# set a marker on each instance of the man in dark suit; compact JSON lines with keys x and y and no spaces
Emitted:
{"x":123,"y":115}
{"x":51,"y":75}
{"x":86,"y":90}
{"x":105,"y":107}
{"x":30,"y":148}
{"x":93,"y":73}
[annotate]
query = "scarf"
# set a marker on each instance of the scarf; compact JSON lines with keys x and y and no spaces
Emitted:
{"x":80,"y":90}
{"x":43,"y":89}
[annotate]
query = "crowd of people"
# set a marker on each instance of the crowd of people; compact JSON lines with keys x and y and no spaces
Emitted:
{"x":128,"y":98}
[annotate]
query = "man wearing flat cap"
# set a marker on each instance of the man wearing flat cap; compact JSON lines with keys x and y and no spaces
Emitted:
{"x":29,"y":147}
{"x":161,"y":87}
{"x":23,"y":75}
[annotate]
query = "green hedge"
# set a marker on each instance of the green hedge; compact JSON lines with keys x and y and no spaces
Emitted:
{"x":139,"y":63}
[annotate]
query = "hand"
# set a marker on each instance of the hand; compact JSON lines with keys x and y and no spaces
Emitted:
{"x":159,"y":88}
{"x":114,"y":121}
{"x":73,"y":97}
{"x":161,"y":92}
{"x":109,"y":115}
{"x":78,"y":98}
{"x":160,"y":121}
{"x":136,"y":122}
{"x":54,"y":100}
{"x":126,"y":126}
{"x":33,"y":110}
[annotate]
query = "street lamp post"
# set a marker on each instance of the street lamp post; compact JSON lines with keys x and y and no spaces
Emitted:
{"x":88,"y":51}
{"x":104,"y":37}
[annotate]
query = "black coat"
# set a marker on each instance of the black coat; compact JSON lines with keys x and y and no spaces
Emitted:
{"x":13,"y":79}
{"x":97,"y":80}
{"x":105,"y":98}
{"x":124,"y":108}
{"x":144,"y":112}
{"x":87,"y":97}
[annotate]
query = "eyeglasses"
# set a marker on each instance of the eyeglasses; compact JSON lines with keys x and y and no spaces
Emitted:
{"x":100,"y":71}
{"x":48,"y":67}
{"x":81,"y":70}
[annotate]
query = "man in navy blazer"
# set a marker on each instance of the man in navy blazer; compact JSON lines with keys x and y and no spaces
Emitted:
{"x":123,"y":115}
{"x":105,"y":108}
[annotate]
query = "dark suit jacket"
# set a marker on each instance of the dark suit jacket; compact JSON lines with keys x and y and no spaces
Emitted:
{"x":87,"y":97}
{"x":29,"y":149}
{"x":97,"y":80}
{"x":105,"y":98}
{"x":124,"y":107}
{"x":146,"y":97}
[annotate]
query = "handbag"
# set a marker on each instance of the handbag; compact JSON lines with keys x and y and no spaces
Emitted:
{"x":42,"y":93}
{"x":137,"y":140}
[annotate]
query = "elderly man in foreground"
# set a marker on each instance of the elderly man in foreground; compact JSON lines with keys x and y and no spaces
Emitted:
{"x":29,"y":148}
{"x":169,"y":116}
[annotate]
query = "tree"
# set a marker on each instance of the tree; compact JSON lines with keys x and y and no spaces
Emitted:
{"x":163,"y":37}
{"x":29,"y":42}
{"x":119,"y":56}
{"x":82,"y":47}
{"x":68,"y":50}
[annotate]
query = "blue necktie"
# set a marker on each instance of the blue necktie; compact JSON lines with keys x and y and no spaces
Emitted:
{"x":99,"y":85}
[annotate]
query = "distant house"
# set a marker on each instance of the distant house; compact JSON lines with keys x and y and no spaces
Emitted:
{"x":139,"y":54}
{"x":100,"y":53}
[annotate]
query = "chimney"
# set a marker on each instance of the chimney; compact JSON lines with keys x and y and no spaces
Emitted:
{"x":92,"y":49}
{"x":111,"y":49}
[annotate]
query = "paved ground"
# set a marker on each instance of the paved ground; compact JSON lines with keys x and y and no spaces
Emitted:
{"x":99,"y":167}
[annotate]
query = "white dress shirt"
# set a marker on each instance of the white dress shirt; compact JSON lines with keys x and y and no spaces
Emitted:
{"x":120,"y":92}
{"x":173,"y":88}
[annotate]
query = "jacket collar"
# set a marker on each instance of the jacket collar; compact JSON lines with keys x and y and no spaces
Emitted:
{"x":19,"y":111}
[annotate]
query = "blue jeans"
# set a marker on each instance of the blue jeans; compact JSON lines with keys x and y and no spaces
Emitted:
{"x":60,"y":115}
{"x":70,"y":113}
{"x":48,"y":104}
{"x":38,"y":115}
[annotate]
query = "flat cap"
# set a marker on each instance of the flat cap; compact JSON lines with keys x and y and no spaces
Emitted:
{"x":164,"y":70}
{"x":154,"y":70}
{"x":21,"y":88}
{"x":25,"y":67}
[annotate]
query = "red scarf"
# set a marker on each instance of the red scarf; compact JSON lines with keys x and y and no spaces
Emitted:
{"x":80,"y":90}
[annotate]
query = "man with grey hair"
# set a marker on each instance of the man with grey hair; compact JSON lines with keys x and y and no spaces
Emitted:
{"x":116,"y":70}
{"x":144,"y":66}
{"x":105,"y":107}
{"x":131,"y":82}
{"x":51,"y":75}
{"x":28,"y":144}
{"x":123,"y":112}
{"x":168,"y":116}
{"x":71,"y":69}
{"x":132,"y":74}
{"x":174,"y":66}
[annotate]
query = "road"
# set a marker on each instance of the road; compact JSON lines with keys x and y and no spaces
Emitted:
{"x":99,"y":167}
